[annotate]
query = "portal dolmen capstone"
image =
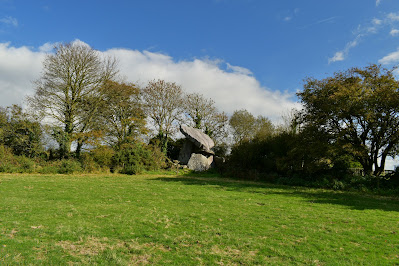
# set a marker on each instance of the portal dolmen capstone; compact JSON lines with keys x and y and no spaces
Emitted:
{"x":196,"y":152}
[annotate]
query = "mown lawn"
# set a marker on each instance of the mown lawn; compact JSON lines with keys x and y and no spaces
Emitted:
{"x":116,"y":219}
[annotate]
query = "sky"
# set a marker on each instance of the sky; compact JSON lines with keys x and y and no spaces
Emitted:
{"x":244,"y":54}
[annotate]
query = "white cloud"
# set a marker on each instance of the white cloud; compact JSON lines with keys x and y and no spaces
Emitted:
{"x":377,"y":21}
{"x":338,"y":56}
{"x":391,"y":58}
{"x":341,"y":55}
{"x":378,"y":2}
{"x":393,"y":16}
{"x":47,"y":47}
{"x":238,"y":69}
{"x":394,"y":32}
{"x":19,"y":66}
{"x":231,"y":87}
{"x":374,"y":26}
{"x":9,"y":21}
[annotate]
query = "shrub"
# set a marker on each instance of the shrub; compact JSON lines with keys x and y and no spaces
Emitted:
{"x":103,"y":156}
{"x":98,"y":159}
{"x":88,"y":163}
{"x":65,"y":166}
{"x":134,"y":158}
{"x":25,"y":165}
{"x":69,"y":166}
{"x":9,"y":163}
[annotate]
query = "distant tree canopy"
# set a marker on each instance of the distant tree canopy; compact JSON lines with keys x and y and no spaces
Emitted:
{"x":163,"y":104}
{"x":20,"y":132}
{"x":246,"y":126}
{"x":120,"y":114}
{"x":358,"y":110}
{"x":347,"y":119}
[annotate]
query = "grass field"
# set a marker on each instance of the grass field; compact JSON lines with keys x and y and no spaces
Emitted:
{"x":155,"y":219}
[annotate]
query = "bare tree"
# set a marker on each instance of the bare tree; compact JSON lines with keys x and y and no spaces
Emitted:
{"x":68,"y":91}
{"x":203,"y":114}
{"x":163,"y":106}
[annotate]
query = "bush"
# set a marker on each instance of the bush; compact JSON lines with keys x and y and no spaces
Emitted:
{"x":103,"y":156}
{"x":9,"y":163}
{"x":88,"y":163}
{"x":25,"y":165}
{"x":65,"y":166}
{"x":135,"y":158}
{"x":69,"y":166}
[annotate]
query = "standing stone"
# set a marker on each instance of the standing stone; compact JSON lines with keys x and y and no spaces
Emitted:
{"x":199,"y":162}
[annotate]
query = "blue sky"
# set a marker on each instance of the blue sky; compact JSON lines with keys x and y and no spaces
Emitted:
{"x":275,"y":44}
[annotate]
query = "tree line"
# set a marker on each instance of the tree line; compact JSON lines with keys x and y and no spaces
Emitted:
{"x":96,"y":119}
{"x":85,"y":108}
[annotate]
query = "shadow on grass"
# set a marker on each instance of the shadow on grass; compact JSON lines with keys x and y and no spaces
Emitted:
{"x":353,"y":200}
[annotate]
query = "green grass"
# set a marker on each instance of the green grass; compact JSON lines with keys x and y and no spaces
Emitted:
{"x":166,"y":219}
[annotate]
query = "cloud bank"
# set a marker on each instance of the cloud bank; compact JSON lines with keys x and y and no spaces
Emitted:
{"x":18,"y":68}
{"x":231,"y":87}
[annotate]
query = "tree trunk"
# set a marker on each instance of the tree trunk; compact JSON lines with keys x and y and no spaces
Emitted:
{"x":66,"y":140}
{"x":367,"y":166}
{"x":78,"y":148}
{"x":380,"y":169}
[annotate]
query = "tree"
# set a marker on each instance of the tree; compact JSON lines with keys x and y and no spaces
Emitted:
{"x":163,"y":105}
{"x":69,"y":90}
{"x":359,"y":110}
{"x":263,"y":127}
{"x":203,"y":114}
{"x":121,"y":116}
{"x":243,"y":125}
{"x":20,"y":132}
{"x":246,"y":126}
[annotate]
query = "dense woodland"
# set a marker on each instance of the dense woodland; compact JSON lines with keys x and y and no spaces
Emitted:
{"x":83,"y":117}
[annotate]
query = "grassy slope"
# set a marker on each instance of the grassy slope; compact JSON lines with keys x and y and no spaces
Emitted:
{"x":115,"y":219}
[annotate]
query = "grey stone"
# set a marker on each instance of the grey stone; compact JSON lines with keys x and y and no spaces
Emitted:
{"x":198,"y":138}
{"x":199,"y":162}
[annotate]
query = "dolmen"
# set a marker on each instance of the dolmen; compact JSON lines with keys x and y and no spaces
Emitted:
{"x":196,"y":152}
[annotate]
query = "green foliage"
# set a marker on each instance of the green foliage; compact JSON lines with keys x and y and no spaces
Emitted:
{"x":98,"y":159}
{"x":120,"y":114}
{"x":134,"y":158}
{"x":20,"y":132}
{"x":64,"y":166}
{"x":25,"y":165}
{"x":246,"y":126}
{"x":258,"y":158}
{"x":10,"y":163}
{"x":359,"y":111}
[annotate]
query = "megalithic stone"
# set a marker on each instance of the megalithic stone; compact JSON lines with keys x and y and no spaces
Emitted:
{"x":198,"y":138}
